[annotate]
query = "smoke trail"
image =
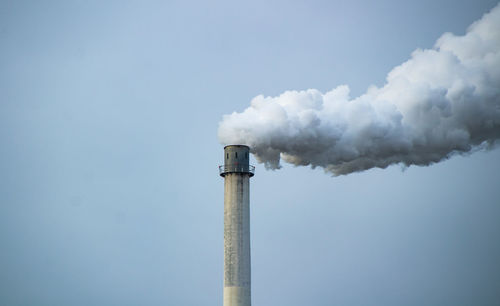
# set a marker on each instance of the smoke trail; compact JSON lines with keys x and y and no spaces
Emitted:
{"x":442,"y":101}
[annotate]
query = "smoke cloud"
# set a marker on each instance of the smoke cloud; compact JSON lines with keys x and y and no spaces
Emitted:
{"x":442,"y":101}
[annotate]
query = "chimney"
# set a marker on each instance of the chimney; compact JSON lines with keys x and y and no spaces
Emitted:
{"x":236,"y":172}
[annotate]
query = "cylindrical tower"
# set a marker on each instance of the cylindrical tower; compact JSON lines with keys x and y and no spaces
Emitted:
{"x":236,"y":172}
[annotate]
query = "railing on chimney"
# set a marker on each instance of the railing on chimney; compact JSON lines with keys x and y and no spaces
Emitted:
{"x":236,"y":169}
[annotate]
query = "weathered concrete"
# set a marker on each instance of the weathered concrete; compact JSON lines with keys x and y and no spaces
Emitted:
{"x":237,"y":236}
{"x":236,"y":240}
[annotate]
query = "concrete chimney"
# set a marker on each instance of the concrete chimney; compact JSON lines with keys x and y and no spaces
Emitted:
{"x":236,"y":172}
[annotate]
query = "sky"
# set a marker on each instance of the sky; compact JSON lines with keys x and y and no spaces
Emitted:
{"x":109,"y":186}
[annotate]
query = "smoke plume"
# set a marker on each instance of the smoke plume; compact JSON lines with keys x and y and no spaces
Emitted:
{"x":442,"y":101}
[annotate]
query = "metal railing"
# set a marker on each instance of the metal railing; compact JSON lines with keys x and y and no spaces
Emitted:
{"x":236,"y":169}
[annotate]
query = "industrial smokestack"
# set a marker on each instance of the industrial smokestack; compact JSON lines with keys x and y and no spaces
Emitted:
{"x":442,"y":101}
{"x":236,"y":172}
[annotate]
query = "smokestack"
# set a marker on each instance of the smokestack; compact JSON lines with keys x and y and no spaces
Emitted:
{"x":236,"y":172}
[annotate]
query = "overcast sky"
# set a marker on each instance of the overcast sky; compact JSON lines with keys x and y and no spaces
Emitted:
{"x":109,"y":187}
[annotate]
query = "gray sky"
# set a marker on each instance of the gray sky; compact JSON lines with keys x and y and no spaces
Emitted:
{"x":109,"y":190}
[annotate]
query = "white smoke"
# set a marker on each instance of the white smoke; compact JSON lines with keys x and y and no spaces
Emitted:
{"x":442,"y":101}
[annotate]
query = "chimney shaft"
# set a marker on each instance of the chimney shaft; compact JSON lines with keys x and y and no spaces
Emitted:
{"x":236,"y":172}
